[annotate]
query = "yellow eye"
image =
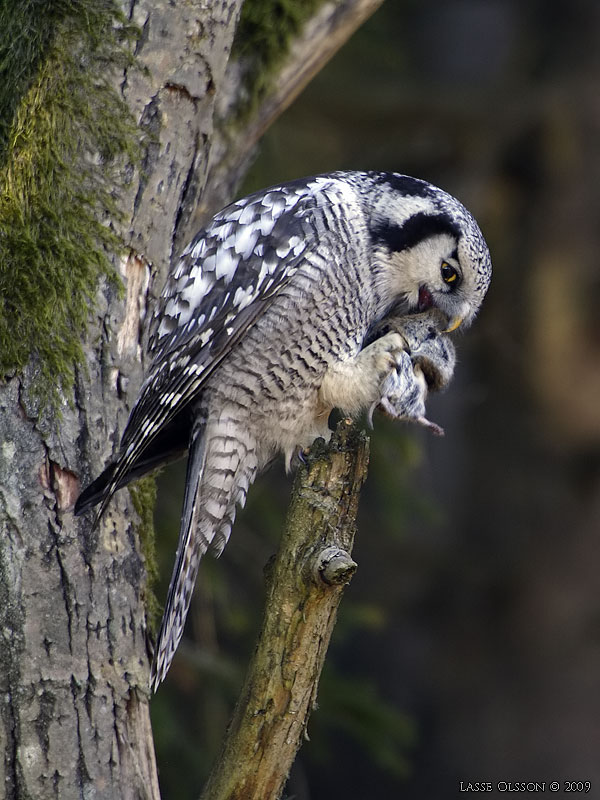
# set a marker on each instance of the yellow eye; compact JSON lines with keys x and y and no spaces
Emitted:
{"x":449,"y":274}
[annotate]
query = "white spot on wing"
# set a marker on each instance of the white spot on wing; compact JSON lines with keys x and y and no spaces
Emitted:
{"x":271,"y":264}
{"x":180,"y":269}
{"x":196,"y":290}
{"x":234,"y":214}
{"x":262,"y":273}
{"x":276,"y":202}
{"x":199,"y":249}
{"x":164,"y":327}
{"x":243,"y":297}
{"x":172,"y":308}
{"x":224,"y":231}
{"x":249,"y":214}
{"x":266,"y":224}
{"x":226,"y":265}
{"x":170,"y":399}
{"x":205,"y":336}
{"x":297,"y":245}
{"x":208,"y":265}
{"x":245,"y":240}
{"x":195,"y":369}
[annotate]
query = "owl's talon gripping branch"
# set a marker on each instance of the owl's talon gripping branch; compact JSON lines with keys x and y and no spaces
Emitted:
{"x":292,"y":301}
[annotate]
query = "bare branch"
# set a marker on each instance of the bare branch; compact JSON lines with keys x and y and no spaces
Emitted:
{"x":305,"y":588}
{"x":322,"y":37}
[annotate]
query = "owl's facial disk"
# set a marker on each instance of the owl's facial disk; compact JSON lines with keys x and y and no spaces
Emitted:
{"x":430,"y":275}
{"x":432,"y":257}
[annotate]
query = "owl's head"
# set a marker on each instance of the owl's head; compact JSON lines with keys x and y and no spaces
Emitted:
{"x":429,"y":251}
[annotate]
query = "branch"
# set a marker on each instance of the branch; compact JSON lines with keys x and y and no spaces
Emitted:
{"x":305,"y":588}
{"x":233,"y":145}
{"x":322,"y":36}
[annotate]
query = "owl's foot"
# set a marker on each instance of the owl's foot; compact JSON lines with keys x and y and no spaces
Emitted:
{"x":353,"y":385}
{"x":426,"y":363}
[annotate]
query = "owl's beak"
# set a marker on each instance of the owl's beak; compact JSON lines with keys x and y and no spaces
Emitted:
{"x":454,"y":323}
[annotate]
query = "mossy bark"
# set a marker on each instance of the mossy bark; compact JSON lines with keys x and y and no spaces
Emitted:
{"x":74,"y":718}
{"x":74,"y":713}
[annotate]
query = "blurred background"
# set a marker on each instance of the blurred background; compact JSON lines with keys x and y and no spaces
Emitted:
{"x":468,"y":643}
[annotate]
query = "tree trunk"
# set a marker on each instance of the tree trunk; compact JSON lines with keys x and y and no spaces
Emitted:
{"x":73,"y":660}
{"x":74,"y":715}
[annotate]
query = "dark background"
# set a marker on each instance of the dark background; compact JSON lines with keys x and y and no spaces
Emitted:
{"x":468,"y":644}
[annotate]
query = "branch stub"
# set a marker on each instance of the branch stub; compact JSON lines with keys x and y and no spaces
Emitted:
{"x":334,"y":567}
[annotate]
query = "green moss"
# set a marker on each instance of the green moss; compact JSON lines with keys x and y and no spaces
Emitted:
{"x":262,"y":40}
{"x":65,"y":135}
{"x":143,"y":496}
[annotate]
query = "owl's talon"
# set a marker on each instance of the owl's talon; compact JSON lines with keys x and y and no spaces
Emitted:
{"x":301,"y":455}
{"x":370,"y":411}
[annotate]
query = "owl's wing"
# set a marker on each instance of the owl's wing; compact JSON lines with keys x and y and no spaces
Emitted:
{"x":226,"y":279}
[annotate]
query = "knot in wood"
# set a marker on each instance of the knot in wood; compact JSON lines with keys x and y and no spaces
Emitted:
{"x":334,"y":566}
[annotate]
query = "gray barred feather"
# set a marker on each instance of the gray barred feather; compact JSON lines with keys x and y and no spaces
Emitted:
{"x":221,"y":465}
{"x":265,"y":324}
{"x":190,"y":550}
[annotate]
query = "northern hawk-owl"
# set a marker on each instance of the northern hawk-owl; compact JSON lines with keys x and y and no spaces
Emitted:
{"x":269,"y":321}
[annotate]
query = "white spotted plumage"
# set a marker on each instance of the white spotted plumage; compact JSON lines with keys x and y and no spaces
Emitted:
{"x":263,"y":326}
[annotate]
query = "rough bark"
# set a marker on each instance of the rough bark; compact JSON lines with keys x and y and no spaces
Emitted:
{"x":74,"y":717}
{"x":305,"y":587}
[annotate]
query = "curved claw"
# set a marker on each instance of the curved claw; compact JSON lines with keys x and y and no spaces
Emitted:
{"x":301,"y":455}
{"x":370,"y":414}
{"x":436,"y":429}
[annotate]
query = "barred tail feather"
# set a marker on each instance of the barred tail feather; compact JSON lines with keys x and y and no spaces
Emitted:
{"x":187,"y":560}
{"x":221,"y":467}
